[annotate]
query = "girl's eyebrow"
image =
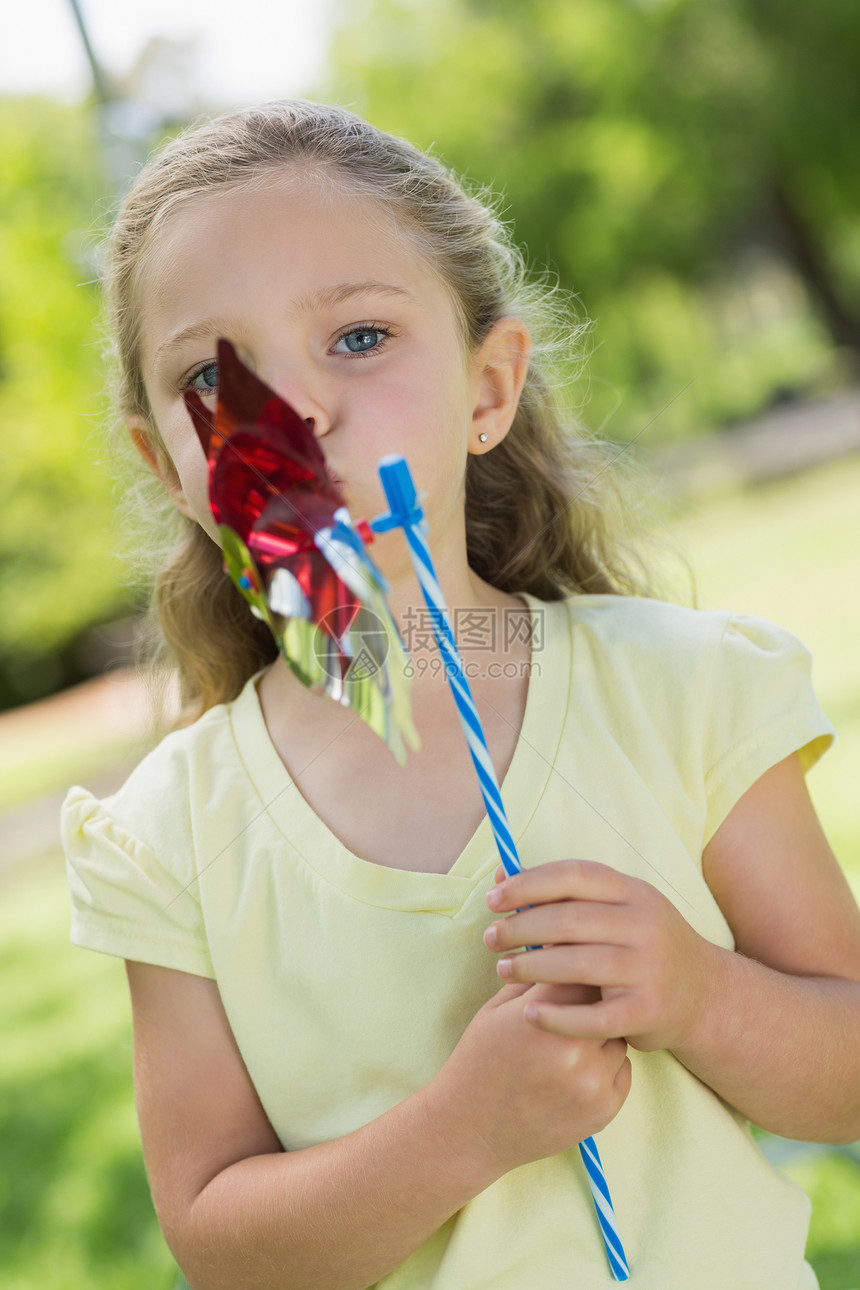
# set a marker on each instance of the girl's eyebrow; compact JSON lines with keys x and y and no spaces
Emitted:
{"x":343,"y":291}
{"x":326,"y":298}
{"x":201,"y":330}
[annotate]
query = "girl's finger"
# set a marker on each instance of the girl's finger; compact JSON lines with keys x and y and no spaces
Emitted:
{"x":606,"y":1020}
{"x":561,"y":880}
{"x":607,"y":966}
{"x":563,"y":994}
{"x":568,"y":922}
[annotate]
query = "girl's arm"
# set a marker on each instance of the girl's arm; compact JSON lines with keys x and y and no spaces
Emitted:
{"x":782,"y":1032}
{"x":238,"y":1211}
{"x":773,"y":1028}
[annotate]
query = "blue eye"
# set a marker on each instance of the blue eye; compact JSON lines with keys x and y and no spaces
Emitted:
{"x":360,"y":340}
{"x":204,"y":380}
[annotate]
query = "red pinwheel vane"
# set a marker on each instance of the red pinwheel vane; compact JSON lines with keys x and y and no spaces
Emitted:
{"x":295,"y":554}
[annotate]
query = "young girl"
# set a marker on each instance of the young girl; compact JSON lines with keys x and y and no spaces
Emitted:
{"x":349,"y":1071}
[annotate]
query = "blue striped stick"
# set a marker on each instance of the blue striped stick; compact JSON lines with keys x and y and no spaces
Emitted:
{"x":405,"y":512}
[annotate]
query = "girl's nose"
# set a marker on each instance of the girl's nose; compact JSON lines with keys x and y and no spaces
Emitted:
{"x":315,"y":418}
{"x":306,"y":402}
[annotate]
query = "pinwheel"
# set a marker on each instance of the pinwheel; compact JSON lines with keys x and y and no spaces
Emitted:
{"x":295,"y":554}
{"x":300,"y":562}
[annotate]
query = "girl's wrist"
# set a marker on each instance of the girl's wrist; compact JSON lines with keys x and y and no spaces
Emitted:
{"x":451,"y":1134}
{"x":713,"y":974}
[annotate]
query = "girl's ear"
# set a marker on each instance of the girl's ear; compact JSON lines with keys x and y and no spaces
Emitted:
{"x":500,"y":368}
{"x":157,"y":461}
{"x":141,"y":437}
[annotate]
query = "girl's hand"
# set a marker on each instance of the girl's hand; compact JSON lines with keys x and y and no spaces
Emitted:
{"x":601,"y":928}
{"x":511,"y":1093}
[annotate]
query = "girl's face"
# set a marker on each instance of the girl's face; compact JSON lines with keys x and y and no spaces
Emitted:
{"x":340,"y":316}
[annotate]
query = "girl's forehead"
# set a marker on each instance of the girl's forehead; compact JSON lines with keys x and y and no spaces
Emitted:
{"x":280,"y":222}
{"x":284,"y":208}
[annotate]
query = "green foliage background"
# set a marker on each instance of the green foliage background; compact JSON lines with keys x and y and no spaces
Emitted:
{"x":686,"y":168}
{"x":646,"y":149}
{"x":57,"y":574}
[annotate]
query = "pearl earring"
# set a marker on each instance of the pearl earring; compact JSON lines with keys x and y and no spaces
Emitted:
{"x":482,"y":438}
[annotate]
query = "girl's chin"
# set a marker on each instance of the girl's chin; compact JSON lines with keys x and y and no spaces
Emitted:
{"x":362,"y":503}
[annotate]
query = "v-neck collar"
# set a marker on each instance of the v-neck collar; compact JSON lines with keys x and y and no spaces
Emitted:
{"x":524,"y":784}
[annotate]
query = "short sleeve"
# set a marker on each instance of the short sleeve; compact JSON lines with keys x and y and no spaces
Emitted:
{"x":761,"y":708}
{"x":125,"y":899}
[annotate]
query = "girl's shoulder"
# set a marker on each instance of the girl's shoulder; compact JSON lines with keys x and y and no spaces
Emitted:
{"x":189,"y":769}
{"x":687,"y":657}
{"x":646,"y":623}
{"x":135,"y":859}
{"x":649,"y":631}
{"x":702,"y":702}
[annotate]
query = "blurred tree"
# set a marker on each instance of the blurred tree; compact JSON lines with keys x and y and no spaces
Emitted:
{"x":811,"y":184}
{"x":56,"y":574}
{"x":682,"y":164}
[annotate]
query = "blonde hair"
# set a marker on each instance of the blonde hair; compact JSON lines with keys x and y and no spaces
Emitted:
{"x":543,"y":510}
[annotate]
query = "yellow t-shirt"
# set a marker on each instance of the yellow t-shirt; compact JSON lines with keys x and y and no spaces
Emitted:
{"x":347,"y":984}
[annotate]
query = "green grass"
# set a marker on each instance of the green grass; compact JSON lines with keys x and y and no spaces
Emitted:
{"x":74,"y":1204}
{"x":834,"y":1233}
